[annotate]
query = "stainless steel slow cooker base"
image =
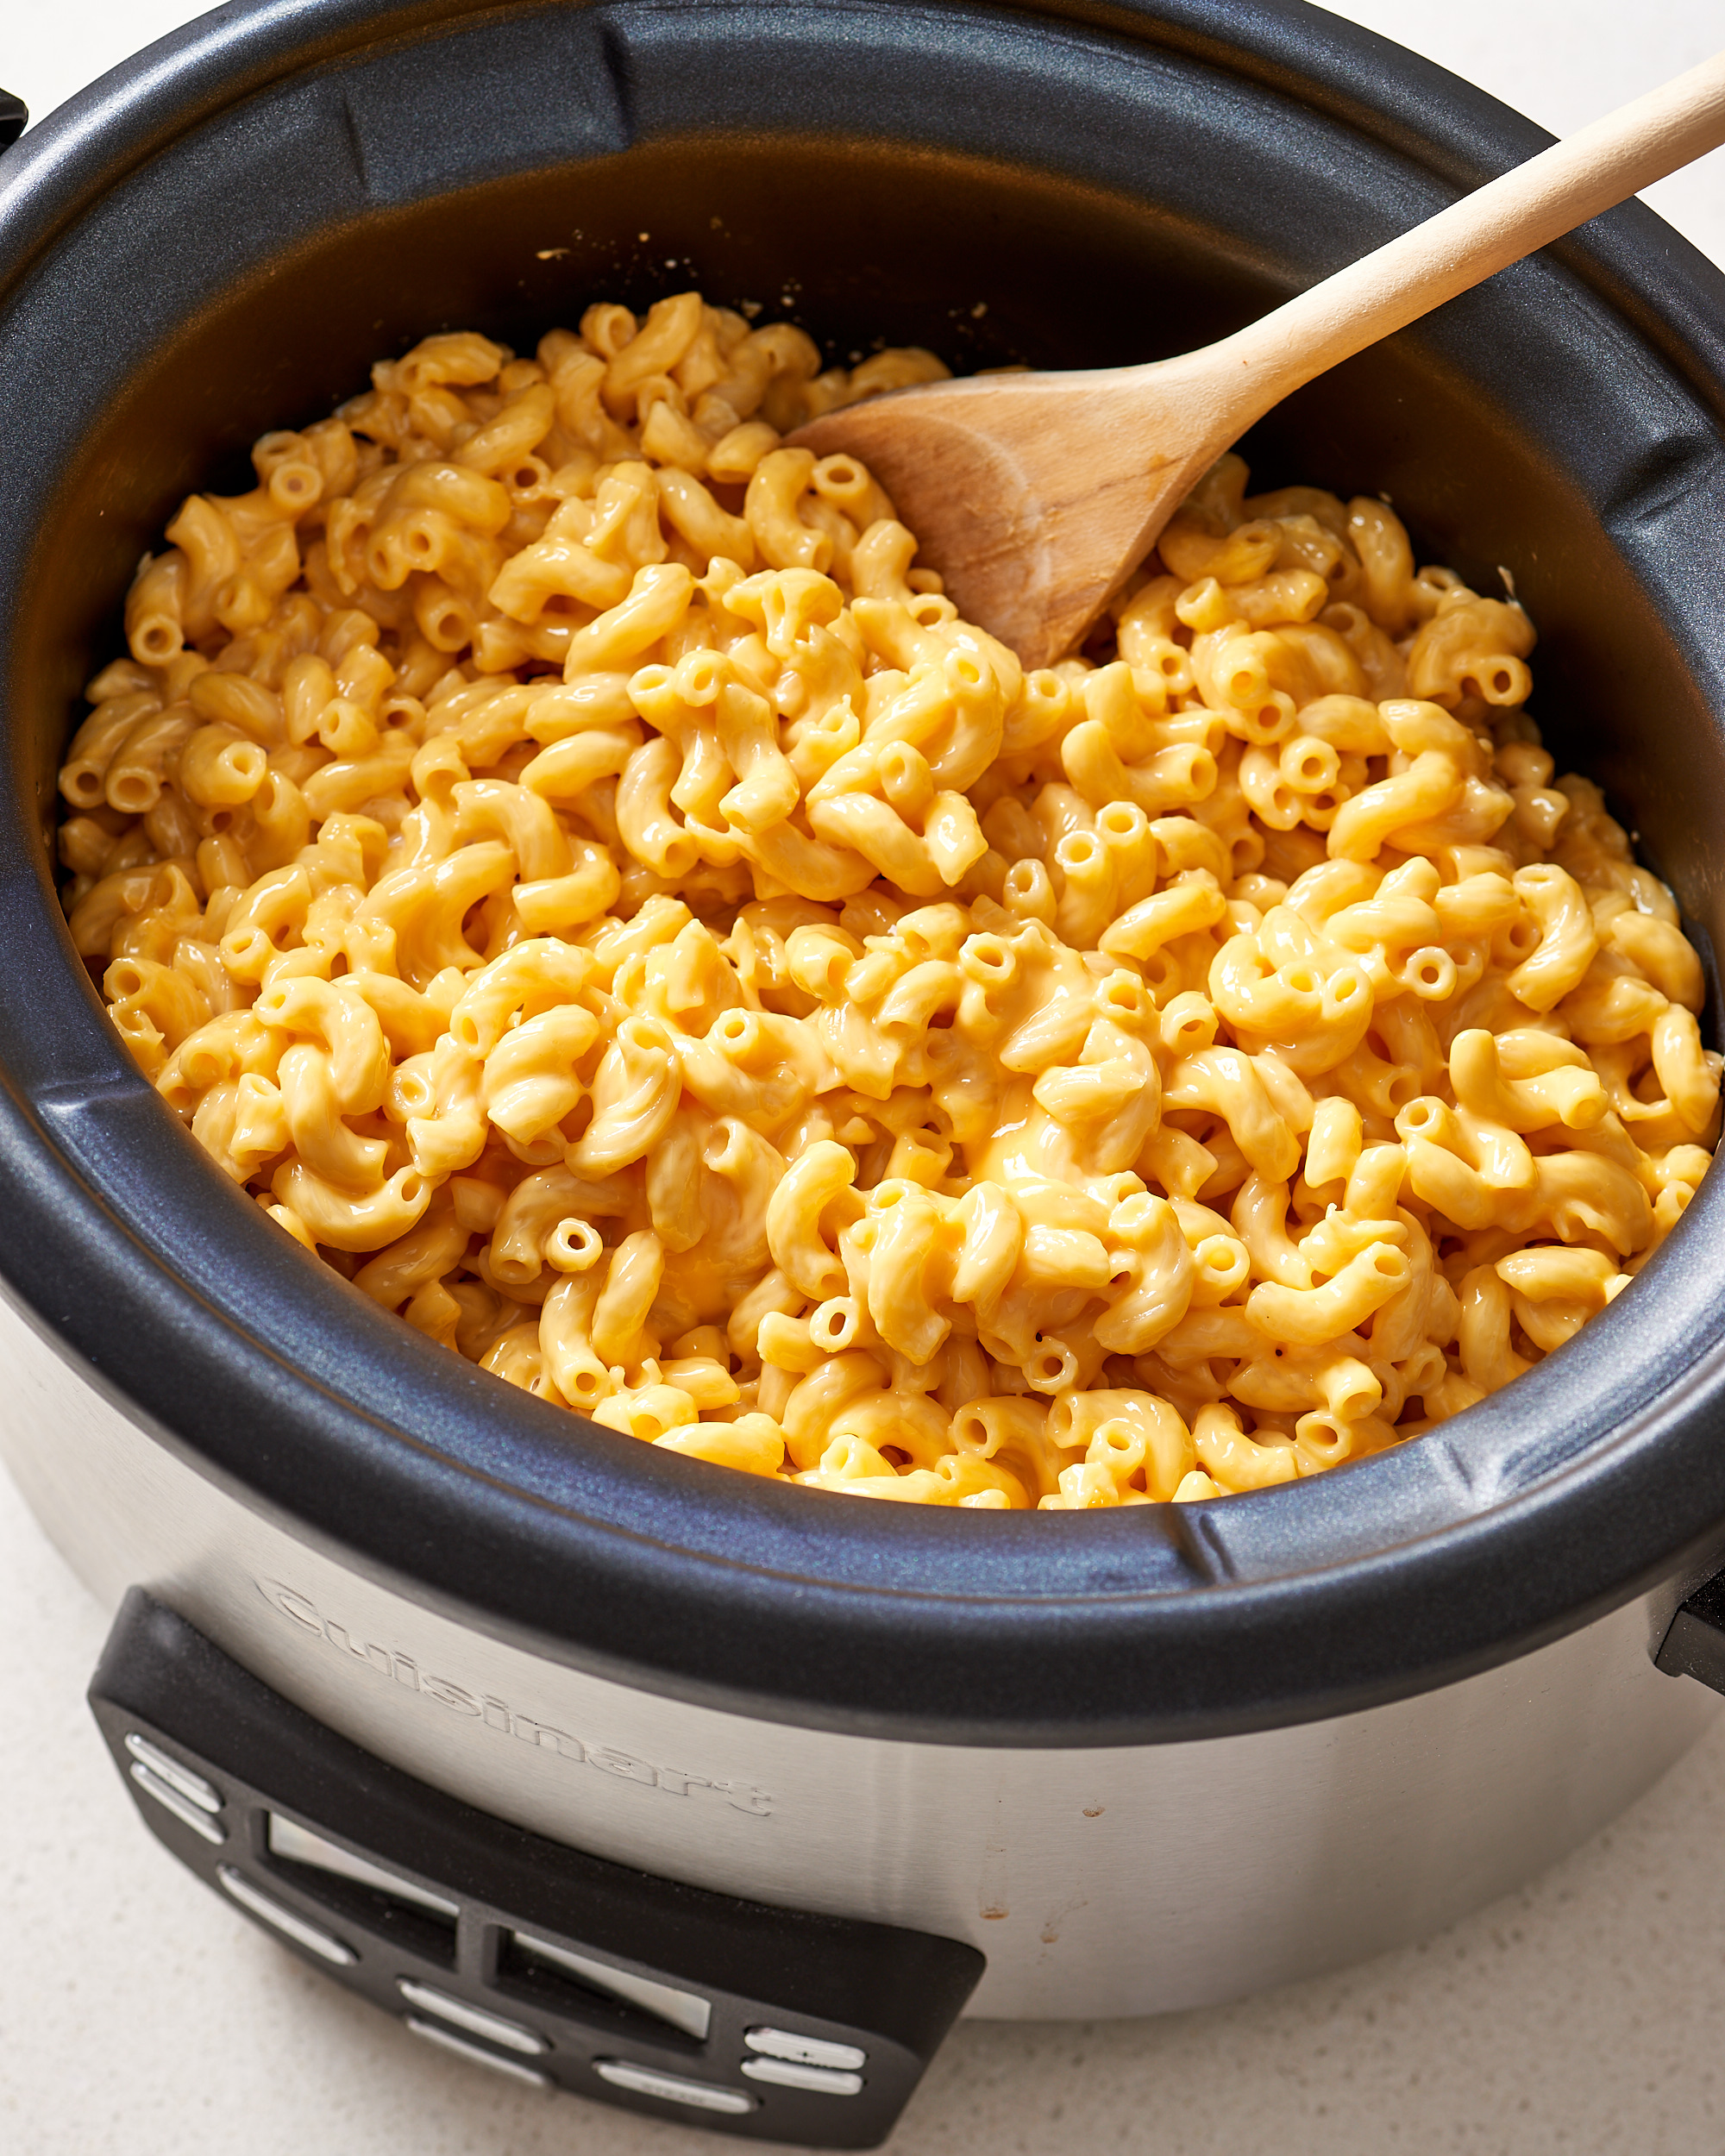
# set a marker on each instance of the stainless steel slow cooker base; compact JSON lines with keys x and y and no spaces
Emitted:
{"x":1110,"y":1882}
{"x":1142,"y":1761}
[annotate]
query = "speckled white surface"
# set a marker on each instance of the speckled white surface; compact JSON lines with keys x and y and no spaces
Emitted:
{"x":138,"y":2017}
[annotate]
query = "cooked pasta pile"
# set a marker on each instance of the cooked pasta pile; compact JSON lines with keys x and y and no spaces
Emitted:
{"x":550,"y":844}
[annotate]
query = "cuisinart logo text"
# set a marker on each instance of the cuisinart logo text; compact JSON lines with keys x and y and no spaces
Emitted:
{"x":403,"y":1670}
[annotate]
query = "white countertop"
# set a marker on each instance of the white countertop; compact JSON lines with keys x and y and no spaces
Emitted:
{"x":140,"y":2017}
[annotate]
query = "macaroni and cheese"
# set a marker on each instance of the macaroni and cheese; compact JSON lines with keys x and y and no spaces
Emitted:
{"x":550,"y":844}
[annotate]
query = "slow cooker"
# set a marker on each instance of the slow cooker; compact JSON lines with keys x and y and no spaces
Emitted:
{"x":618,"y":1772}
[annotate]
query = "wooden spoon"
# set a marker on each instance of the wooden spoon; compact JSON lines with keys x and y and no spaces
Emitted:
{"x":1036,"y":495}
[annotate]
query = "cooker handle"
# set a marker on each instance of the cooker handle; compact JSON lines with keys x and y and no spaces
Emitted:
{"x":1694,"y":1644}
{"x":548,"y":1966}
{"x":15,"y":117}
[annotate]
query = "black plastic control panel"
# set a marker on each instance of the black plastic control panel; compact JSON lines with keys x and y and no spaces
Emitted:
{"x":551,"y":1968}
{"x":1694,"y":1644}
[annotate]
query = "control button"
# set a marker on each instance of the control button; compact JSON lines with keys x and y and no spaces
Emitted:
{"x":700,"y":2095}
{"x":473,"y":2019}
{"x":447,"y":2040}
{"x":805,"y":2050}
{"x":190,"y":1785}
{"x":289,"y":1922}
{"x":171,"y":1801}
{"x":788,"y":2074}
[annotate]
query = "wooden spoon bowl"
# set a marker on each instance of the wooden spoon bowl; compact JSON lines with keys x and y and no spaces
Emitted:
{"x":1035,"y":496}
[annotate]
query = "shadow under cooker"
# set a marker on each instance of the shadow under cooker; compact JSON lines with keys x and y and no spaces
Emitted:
{"x":188,"y":259}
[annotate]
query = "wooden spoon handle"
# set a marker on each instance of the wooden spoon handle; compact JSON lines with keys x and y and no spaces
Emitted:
{"x":1486,"y":230}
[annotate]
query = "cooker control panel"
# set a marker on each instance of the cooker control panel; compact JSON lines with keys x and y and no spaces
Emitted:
{"x":548,"y":1967}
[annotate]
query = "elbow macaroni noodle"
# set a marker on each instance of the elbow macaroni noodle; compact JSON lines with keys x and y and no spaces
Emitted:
{"x":551,"y":845}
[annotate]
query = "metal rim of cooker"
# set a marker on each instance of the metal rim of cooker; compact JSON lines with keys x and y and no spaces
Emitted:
{"x":1596,"y":1476}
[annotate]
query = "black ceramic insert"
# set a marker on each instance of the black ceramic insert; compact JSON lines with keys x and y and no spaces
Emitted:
{"x":220,"y":240}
